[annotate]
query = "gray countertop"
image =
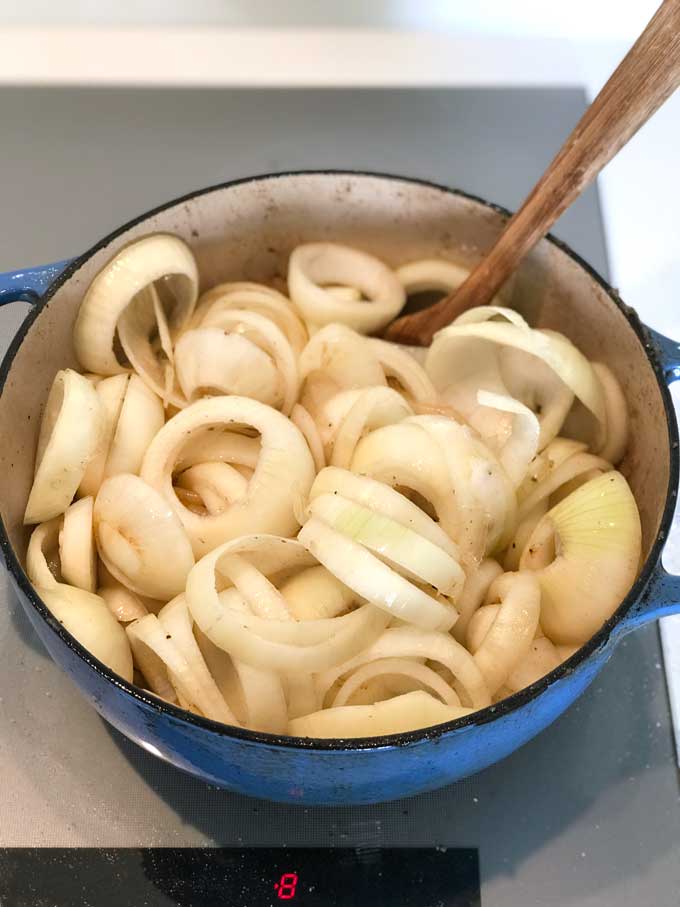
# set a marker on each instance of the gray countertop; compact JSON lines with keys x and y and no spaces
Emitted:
{"x":589,"y":812}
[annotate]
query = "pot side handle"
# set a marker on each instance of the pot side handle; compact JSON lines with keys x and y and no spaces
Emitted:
{"x":29,"y":284}
{"x":662,"y":594}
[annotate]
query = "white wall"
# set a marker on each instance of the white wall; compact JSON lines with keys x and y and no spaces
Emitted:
{"x":589,"y":19}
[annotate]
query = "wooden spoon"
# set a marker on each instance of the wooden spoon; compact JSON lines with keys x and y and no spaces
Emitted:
{"x":646,"y":77}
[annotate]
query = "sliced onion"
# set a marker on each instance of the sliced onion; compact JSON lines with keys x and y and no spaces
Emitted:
{"x":541,"y":659}
{"x":617,"y":415}
{"x":458,"y":350}
{"x":516,"y":451}
{"x":586,"y":553}
{"x":373,"y":408}
{"x":412,"y":642}
{"x":430,"y":274}
{"x":286,"y":646}
{"x":131,"y":270}
{"x":554,"y":454}
{"x":406,"y":667}
{"x":373,"y":580}
{"x":210,"y":362}
{"x":77,"y":550}
{"x":314,"y":264}
{"x":217,"y":485}
{"x":331,"y":409}
{"x":567,"y":471}
{"x":314,"y":593}
{"x":404,"y":455}
{"x":401,"y":365}
{"x":69,"y":436}
{"x":534,"y":383}
{"x":382,"y":498}
{"x":140,"y":538}
{"x":393,"y":716}
{"x":349,"y":294}
{"x":185,"y":667}
{"x":343,"y":356}
{"x":484,"y":497}
{"x":255,"y":297}
{"x":42,"y":555}
{"x":610,"y":439}
{"x":509,"y":638}
{"x":400,"y":547}
{"x":300,"y":694}
{"x":283,"y":475}
{"x":300,"y":416}
{"x":260,"y":691}
{"x":111,"y":393}
{"x":124,"y":604}
{"x":475,"y":589}
{"x":140,"y":418}
{"x":267,"y":336}
{"x":261,"y":596}
{"x":177,"y":623}
{"x":209,"y":445}
{"x":479,"y":625}
{"x":525,"y":527}
{"x":87,"y":618}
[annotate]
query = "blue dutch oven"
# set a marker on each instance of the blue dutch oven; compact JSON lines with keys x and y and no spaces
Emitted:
{"x":246,"y":229}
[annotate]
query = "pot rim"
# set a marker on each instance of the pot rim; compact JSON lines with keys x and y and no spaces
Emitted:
{"x":484,"y":716}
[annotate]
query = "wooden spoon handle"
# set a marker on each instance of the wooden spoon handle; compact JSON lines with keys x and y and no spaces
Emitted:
{"x":645,"y":78}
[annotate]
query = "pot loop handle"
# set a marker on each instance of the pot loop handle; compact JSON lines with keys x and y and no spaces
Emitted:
{"x":29,"y":284}
{"x":661,"y":596}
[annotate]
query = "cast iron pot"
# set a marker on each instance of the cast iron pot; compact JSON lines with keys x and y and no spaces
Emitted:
{"x":246,"y":230}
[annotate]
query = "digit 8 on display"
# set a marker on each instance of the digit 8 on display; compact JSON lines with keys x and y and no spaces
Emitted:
{"x":286,"y":886}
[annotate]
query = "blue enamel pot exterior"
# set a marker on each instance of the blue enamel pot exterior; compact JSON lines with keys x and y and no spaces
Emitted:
{"x":247,"y":228}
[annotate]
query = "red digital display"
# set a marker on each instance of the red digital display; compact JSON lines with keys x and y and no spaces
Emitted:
{"x":285,"y":887}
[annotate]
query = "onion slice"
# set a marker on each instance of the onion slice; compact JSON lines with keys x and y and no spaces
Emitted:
{"x":140,"y":538}
{"x":77,"y":550}
{"x":278,"y":645}
{"x":314,"y":264}
{"x":263,"y":333}
{"x":407,"y":668}
{"x":140,"y":418}
{"x":315,"y":593}
{"x":254,"y":297}
{"x":554,"y":349}
{"x":42,"y":555}
{"x":132,"y":269}
{"x":431,"y":274}
{"x":111,"y":392}
{"x":177,"y":623}
{"x":69,"y":436}
{"x":282,"y":477}
{"x":585,"y":552}
{"x":210,"y":362}
{"x":382,"y":498}
{"x":517,"y":450}
{"x":88,"y":619}
{"x":412,"y":642}
{"x":393,"y":716}
{"x":300,"y":416}
{"x":373,"y":580}
{"x":343,"y":356}
{"x":475,"y":589}
{"x":401,"y":366}
{"x":397,"y":545}
{"x":512,"y":629}
{"x":373,"y":408}
{"x":124,"y":604}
